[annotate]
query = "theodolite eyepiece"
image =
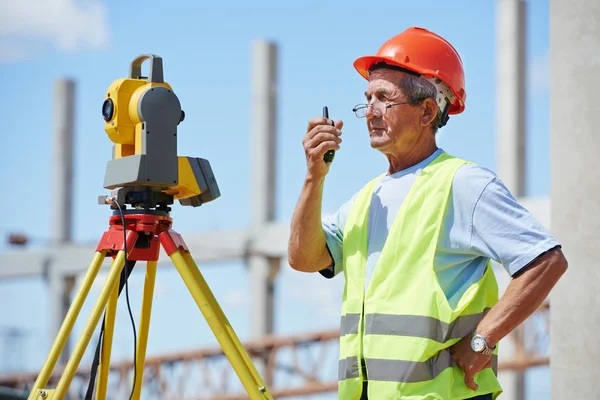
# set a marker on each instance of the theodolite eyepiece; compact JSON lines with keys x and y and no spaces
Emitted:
{"x":108,"y":109}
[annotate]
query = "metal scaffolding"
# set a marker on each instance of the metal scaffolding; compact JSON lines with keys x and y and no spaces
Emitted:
{"x":301,"y":364}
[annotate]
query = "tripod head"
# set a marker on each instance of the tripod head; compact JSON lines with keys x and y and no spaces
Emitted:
{"x":141,"y":116}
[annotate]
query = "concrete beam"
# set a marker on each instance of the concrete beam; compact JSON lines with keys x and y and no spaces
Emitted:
{"x":226,"y":245}
{"x":217,"y":246}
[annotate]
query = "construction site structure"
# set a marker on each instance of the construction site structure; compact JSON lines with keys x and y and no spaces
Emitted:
{"x":313,"y":368}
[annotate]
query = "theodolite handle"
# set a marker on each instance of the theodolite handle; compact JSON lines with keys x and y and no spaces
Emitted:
{"x":156,"y":68}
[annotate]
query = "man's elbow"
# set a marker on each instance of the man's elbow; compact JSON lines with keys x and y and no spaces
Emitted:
{"x":297,"y":260}
{"x":292,"y":255}
{"x":557,"y":266}
{"x":294,"y":263}
{"x":306,"y":262}
{"x":562,"y":264}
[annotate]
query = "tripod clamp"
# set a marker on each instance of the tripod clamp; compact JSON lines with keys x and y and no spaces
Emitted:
{"x":140,"y":199}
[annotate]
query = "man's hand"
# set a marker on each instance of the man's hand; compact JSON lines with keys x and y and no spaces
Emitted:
{"x":469,"y":361}
{"x":320,"y":137}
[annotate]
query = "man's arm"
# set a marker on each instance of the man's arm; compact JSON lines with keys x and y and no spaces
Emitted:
{"x":307,"y":247}
{"x":522,"y":297}
{"x":525,"y":293}
{"x":503,"y":230}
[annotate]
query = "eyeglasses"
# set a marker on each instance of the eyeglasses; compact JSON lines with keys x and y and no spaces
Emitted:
{"x":378,"y":108}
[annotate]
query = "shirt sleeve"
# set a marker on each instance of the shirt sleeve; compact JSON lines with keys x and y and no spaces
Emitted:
{"x":333,"y":226}
{"x":503,"y":230}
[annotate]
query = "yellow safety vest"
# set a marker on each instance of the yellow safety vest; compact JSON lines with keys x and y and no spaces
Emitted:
{"x":402,"y":325}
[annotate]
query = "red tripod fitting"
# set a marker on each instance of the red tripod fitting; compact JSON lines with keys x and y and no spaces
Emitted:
{"x":156,"y":230}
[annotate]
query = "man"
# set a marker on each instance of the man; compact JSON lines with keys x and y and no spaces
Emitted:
{"x":421,"y":317}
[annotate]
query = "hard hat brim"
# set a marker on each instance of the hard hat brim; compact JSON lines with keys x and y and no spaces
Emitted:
{"x":363,"y":64}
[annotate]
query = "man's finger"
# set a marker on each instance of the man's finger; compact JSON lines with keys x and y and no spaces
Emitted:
{"x":488,"y":365}
{"x":323,"y":128}
{"x":312,"y":123}
{"x":470,"y":382}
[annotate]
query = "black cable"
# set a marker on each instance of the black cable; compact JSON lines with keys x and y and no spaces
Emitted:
{"x":127,"y":298}
{"x":127,"y":269}
{"x":95,"y":362}
{"x":94,"y":368}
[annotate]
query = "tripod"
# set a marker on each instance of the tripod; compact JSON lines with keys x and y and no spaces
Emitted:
{"x":137,"y":235}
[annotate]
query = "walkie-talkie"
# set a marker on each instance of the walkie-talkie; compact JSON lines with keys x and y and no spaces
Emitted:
{"x":328,"y":157}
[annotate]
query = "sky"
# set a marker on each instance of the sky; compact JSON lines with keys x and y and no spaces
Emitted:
{"x":206,"y":49}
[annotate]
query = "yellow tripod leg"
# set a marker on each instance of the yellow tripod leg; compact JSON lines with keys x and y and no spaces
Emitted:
{"x":71,"y":367}
{"x":231,"y":345}
{"x":67,"y":325}
{"x":107,"y":339}
{"x":144,"y":327}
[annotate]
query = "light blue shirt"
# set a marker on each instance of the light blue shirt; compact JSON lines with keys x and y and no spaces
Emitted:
{"x":482,"y":221}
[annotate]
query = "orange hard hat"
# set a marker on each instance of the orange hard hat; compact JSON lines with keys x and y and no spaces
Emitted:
{"x":427,"y":54}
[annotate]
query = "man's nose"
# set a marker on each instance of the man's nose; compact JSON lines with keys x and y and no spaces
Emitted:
{"x":369,"y":113}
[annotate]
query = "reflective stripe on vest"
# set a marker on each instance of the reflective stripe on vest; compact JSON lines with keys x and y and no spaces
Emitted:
{"x":412,"y":325}
{"x":402,"y":325}
{"x":399,"y":370}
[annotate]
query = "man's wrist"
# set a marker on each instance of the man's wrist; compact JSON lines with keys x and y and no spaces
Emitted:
{"x":491,"y":339}
{"x":479,"y":344}
{"x":314,"y":179}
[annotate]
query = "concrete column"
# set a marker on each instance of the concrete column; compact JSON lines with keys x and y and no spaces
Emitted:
{"x":510,"y":116}
{"x":264,"y":102}
{"x":575,"y":196}
{"x":510,"y":85}
{"x":62,"y":201}
{"x":62,"y":163}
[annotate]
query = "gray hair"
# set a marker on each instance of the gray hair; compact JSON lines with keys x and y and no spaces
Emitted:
{"x":416,"y":89}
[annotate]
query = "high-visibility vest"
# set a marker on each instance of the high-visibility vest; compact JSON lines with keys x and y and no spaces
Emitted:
{"x":402,"y":325}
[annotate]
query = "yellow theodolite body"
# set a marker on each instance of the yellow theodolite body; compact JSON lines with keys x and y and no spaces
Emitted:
{"x":125,"y":128}
{"x":141,"y":116}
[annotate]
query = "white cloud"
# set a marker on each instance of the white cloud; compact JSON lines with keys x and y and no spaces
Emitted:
{"x":26,"y":26}
{"x":10,"y":51}
{"x":538,"y":73}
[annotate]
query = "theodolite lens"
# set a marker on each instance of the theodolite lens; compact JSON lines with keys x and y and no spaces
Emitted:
{"x":108,"y":109}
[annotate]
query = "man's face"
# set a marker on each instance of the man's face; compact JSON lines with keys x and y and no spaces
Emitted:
{"x":397,"y":130}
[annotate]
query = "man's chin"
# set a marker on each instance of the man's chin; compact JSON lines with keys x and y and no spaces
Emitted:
{"x":378,"y":143}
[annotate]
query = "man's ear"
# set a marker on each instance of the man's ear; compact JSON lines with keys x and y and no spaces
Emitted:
{"x":429,"y":111}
